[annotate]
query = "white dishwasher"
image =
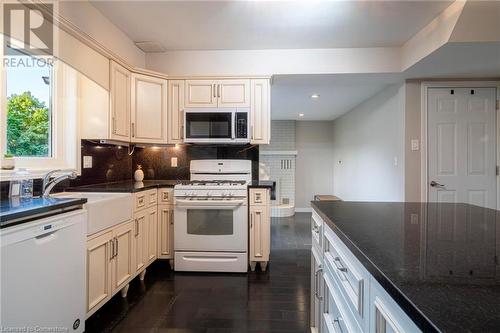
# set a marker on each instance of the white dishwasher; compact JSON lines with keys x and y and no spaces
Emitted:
{"x":43,"y":274}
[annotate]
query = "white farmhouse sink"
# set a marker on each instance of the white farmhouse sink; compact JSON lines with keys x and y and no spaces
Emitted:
{"x":104,"y":210}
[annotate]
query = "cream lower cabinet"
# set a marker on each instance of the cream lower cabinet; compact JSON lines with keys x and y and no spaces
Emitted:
{"x":260,"y":228}
{"x":316,"y":292}
{"x":166,"y":233}
{"x":345,"y":297}
{"x":109,"y":264}
{"x":145,"y":237}
{"x":99,"y":257}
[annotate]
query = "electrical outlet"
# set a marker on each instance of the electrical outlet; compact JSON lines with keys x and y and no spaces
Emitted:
{"x":414,"y":218}
{"x":87,"y":162}
{"x":173,"y":162}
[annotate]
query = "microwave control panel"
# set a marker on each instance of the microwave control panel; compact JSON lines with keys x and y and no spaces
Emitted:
{"x":241,"y":125}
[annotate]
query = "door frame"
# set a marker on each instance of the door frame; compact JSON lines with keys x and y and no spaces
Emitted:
{"x":424,"y":157}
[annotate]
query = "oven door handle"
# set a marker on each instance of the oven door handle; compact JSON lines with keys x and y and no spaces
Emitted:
{"x":209,"y":203}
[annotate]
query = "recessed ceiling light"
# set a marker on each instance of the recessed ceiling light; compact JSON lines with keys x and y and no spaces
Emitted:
{"x":301,"y":115}
{"x":315,"y":96}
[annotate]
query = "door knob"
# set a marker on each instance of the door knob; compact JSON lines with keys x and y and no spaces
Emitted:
{"x":436,"y":184}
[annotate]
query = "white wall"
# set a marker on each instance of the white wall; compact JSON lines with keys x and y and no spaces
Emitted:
{"x":88,"y":19}
{"x":368,"y":149}
{"x":315,"y":161}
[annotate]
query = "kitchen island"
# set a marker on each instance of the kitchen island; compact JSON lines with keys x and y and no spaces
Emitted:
{"x":405,"y":267}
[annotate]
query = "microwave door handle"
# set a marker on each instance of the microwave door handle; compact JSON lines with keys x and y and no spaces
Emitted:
{"x":233,"y":121}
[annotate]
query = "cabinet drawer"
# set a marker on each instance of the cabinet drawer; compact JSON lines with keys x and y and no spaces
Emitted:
{"x":386,"y":314}
{"x":165,"y":195}
{"x":336,"y":316}
{"x":351,"y":277}
{"x":145,"y":199}
{"x":259,"y":196}
{"x":316,"y":229}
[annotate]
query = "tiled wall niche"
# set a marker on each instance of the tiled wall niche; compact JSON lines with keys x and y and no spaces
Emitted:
{"x":277,"y":162}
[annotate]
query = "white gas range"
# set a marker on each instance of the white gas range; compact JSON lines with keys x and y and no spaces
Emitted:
{"x":211,"y":217}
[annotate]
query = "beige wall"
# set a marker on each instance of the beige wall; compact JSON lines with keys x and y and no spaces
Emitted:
{"x":412,"y":132}
{"x":314,"y":163}
{"x":88,"y":19}
{"x":368,"y":147}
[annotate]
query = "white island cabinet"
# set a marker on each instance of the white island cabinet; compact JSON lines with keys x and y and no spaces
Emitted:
{"x":345,"y":297}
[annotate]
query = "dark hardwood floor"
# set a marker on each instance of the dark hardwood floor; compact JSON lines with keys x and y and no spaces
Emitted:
{"x":273,"y":301}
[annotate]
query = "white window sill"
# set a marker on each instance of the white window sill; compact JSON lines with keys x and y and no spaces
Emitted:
{"x":7,"y":175}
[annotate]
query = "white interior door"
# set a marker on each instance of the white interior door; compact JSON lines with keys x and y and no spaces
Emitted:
{"x":462,"y":145}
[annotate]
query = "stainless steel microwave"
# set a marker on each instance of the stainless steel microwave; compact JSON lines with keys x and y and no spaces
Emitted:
{"x":207,"y":125}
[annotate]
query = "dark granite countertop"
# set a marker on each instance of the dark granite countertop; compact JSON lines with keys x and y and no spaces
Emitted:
{"x":262,"y":184}
{"x":17,"y":211}
{"x":438,"y":261}
{"x":128,"y":186}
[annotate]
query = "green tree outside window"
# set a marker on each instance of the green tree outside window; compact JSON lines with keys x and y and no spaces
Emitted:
{"x":28,"y":126}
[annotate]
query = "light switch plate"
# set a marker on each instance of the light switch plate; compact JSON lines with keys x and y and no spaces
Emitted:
{"x":415,"y":145}
{"x":87,"y":162}
{"x":173,"y":162}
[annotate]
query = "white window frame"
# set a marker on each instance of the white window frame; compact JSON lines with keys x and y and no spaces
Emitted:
{"x":65,"y":136}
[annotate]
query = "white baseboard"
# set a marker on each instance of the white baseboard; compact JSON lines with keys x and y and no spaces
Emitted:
{"x":303,"y":210}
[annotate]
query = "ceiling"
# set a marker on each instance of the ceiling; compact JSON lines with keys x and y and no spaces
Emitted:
{"x":339,"y":93}
{"x":244,"y":25}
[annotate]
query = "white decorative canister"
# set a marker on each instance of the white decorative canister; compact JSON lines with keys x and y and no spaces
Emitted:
{"x":139,"y":174}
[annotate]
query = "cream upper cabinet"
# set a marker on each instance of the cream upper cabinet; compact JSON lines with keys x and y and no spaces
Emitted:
{"x":229,"y":93}
{"x":200,"y":93}
{"x":93,"y":107}
{"x":119,"y":98}
{"x":148,"y":109}
{"x":260,"y":109}
{"x":175,"y":121}
{"x":233,"y":93}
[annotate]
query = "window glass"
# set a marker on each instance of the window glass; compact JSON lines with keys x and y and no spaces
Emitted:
{"x":29,"y":107}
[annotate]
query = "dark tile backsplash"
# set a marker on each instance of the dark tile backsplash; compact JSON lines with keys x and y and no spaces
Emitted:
{"x":156,"y":161}
{"x":112,"y":163}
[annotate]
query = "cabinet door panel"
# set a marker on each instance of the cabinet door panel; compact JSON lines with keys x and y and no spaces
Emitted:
{"x":233,"y":93}
{"x":123,"y":261}
{"x":165,"y":232}
{"x":201,"y":93}
{"x":149,"y":109}
{"x":119,"y":102}
{"x":152,"y":235}
{"x":259,"y":233}
{"x":175,"y":111}
{"x":260,"y":118}
{"x":98,"y":270}
{"x":140,"y":233}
